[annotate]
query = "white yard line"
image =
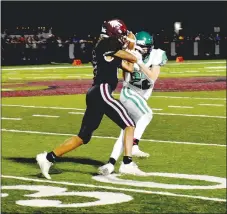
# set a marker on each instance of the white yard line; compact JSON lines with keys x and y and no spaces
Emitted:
{"x":73,"y":76}
{"x":197,"y":98}
{"x":169,"y":114}
{"x":41,"y":115}
{"x":12,"y":78}
{"x":7,"y":89}
{"x":10,"y":118}
{"x":210,"y":104}
{"x":114,"y":138}
{"x":195,"y":63}
{"x":216,"y":67}
{"x":53,"y":77}
{"x":191,"y":115}
{"x":180,"y":107}
{"x":75,"y":112}
{"x":157,"y":109}
{"x":43,"y":68}
{"x":65,"y":183}
{"x":45,"y":107}
{"x":215,"y":71}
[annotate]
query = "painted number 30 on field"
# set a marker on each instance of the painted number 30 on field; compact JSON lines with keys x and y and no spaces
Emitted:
{"x":105,"y":198}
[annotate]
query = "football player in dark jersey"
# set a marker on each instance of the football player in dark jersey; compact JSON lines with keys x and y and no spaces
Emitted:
{"x":107,"y":56}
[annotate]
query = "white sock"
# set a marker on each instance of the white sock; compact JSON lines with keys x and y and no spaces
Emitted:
{"x":142,"y":124}
{"x":118,"y":146}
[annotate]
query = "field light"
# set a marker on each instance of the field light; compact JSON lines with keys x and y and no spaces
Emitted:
{"x":177,"y":27}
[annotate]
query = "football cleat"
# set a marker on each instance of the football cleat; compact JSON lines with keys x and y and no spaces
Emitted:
{"x":136,"y":152}
{"x":44,"y":164}
{"x":131,"y":169}
{"x":106,"y":169}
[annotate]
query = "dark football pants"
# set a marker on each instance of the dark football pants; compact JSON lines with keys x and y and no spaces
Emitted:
{"x":99,"y":102}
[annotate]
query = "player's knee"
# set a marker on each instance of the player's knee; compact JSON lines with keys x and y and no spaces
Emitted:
{"x":86,"y":139}
{"x":130,"y":128}
{"x":150,"y":115}
{"x":85,"y":135}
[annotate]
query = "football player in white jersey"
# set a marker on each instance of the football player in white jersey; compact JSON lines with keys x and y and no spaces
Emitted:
{"x":137,"y":89}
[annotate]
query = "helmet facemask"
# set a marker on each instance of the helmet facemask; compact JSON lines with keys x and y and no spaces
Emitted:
{"x":144,"y":49}
{"x":144,"y":42}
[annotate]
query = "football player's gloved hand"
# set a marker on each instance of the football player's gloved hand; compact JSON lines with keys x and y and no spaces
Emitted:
{"x":138,"y":55}
{"x":158,"y":57}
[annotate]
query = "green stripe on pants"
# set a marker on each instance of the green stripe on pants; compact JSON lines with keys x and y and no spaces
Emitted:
{"x":135,"y":101}
{"x":140,"y":100}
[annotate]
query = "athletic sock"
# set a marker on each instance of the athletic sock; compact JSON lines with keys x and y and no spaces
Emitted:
{"x":127,"y":159}
{"x":135,"y":142}
{"x":51,"y":157}
{"x":112,"y":161}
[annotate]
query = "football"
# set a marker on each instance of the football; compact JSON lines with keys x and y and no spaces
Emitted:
{"x":131,"y":41}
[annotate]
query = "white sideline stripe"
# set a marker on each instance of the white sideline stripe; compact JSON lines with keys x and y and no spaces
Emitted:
{"x":114,"y":188}
{"x":43,"y":68}
{"x":47,"y":107}
{"x":210,"y":104}
{"x":157,"y":109}
{"x":73,"y":76}
{"x":216,"y":71}
{"x":114,"y":138}
{"x":180,"y":107}
{"x":192,"y":63}
{"x":12,"y":78}
{"x":7,"y":89}
{"x":8,"y":118}
{"x":47,"y":77}
{"x":198,"y":98}
{"x":192,"y":71}
{"x":75,"y":112}
{"x":185,"y":115}
{"x":40,"y":115}
{"x":216,"y":67}
{"x":191,"y":115}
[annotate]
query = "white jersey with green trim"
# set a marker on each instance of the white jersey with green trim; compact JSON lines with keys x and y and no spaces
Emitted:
{"x":139,"y":82}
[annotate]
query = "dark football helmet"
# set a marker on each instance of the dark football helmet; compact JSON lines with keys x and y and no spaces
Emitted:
{"x":115,"y":28}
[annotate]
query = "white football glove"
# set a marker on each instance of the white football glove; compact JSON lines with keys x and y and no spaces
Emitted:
{"x":157,"y":57}
{"x":138,"y":55}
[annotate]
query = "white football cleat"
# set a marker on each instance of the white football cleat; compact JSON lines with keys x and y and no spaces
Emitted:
{"x":136,"y":152}
{"x":131,"y":169}
{"x":44,"y":164}
{"x":106,"y":169}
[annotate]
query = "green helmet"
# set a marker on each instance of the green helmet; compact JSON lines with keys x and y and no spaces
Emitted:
{"x":144,"y":42}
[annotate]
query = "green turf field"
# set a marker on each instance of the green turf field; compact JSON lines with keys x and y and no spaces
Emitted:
{"x":58,"y":72}
{"x":186,"y":140}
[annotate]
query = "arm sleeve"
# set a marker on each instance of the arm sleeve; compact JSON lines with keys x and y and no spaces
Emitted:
{"x":112,"y":47}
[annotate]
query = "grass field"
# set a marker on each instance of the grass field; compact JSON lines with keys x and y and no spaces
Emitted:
{"x":186,"y":140}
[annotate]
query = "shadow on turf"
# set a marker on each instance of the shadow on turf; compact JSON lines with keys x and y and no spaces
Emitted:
{"x":85,"y":161}
{"x":54,"y":170}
